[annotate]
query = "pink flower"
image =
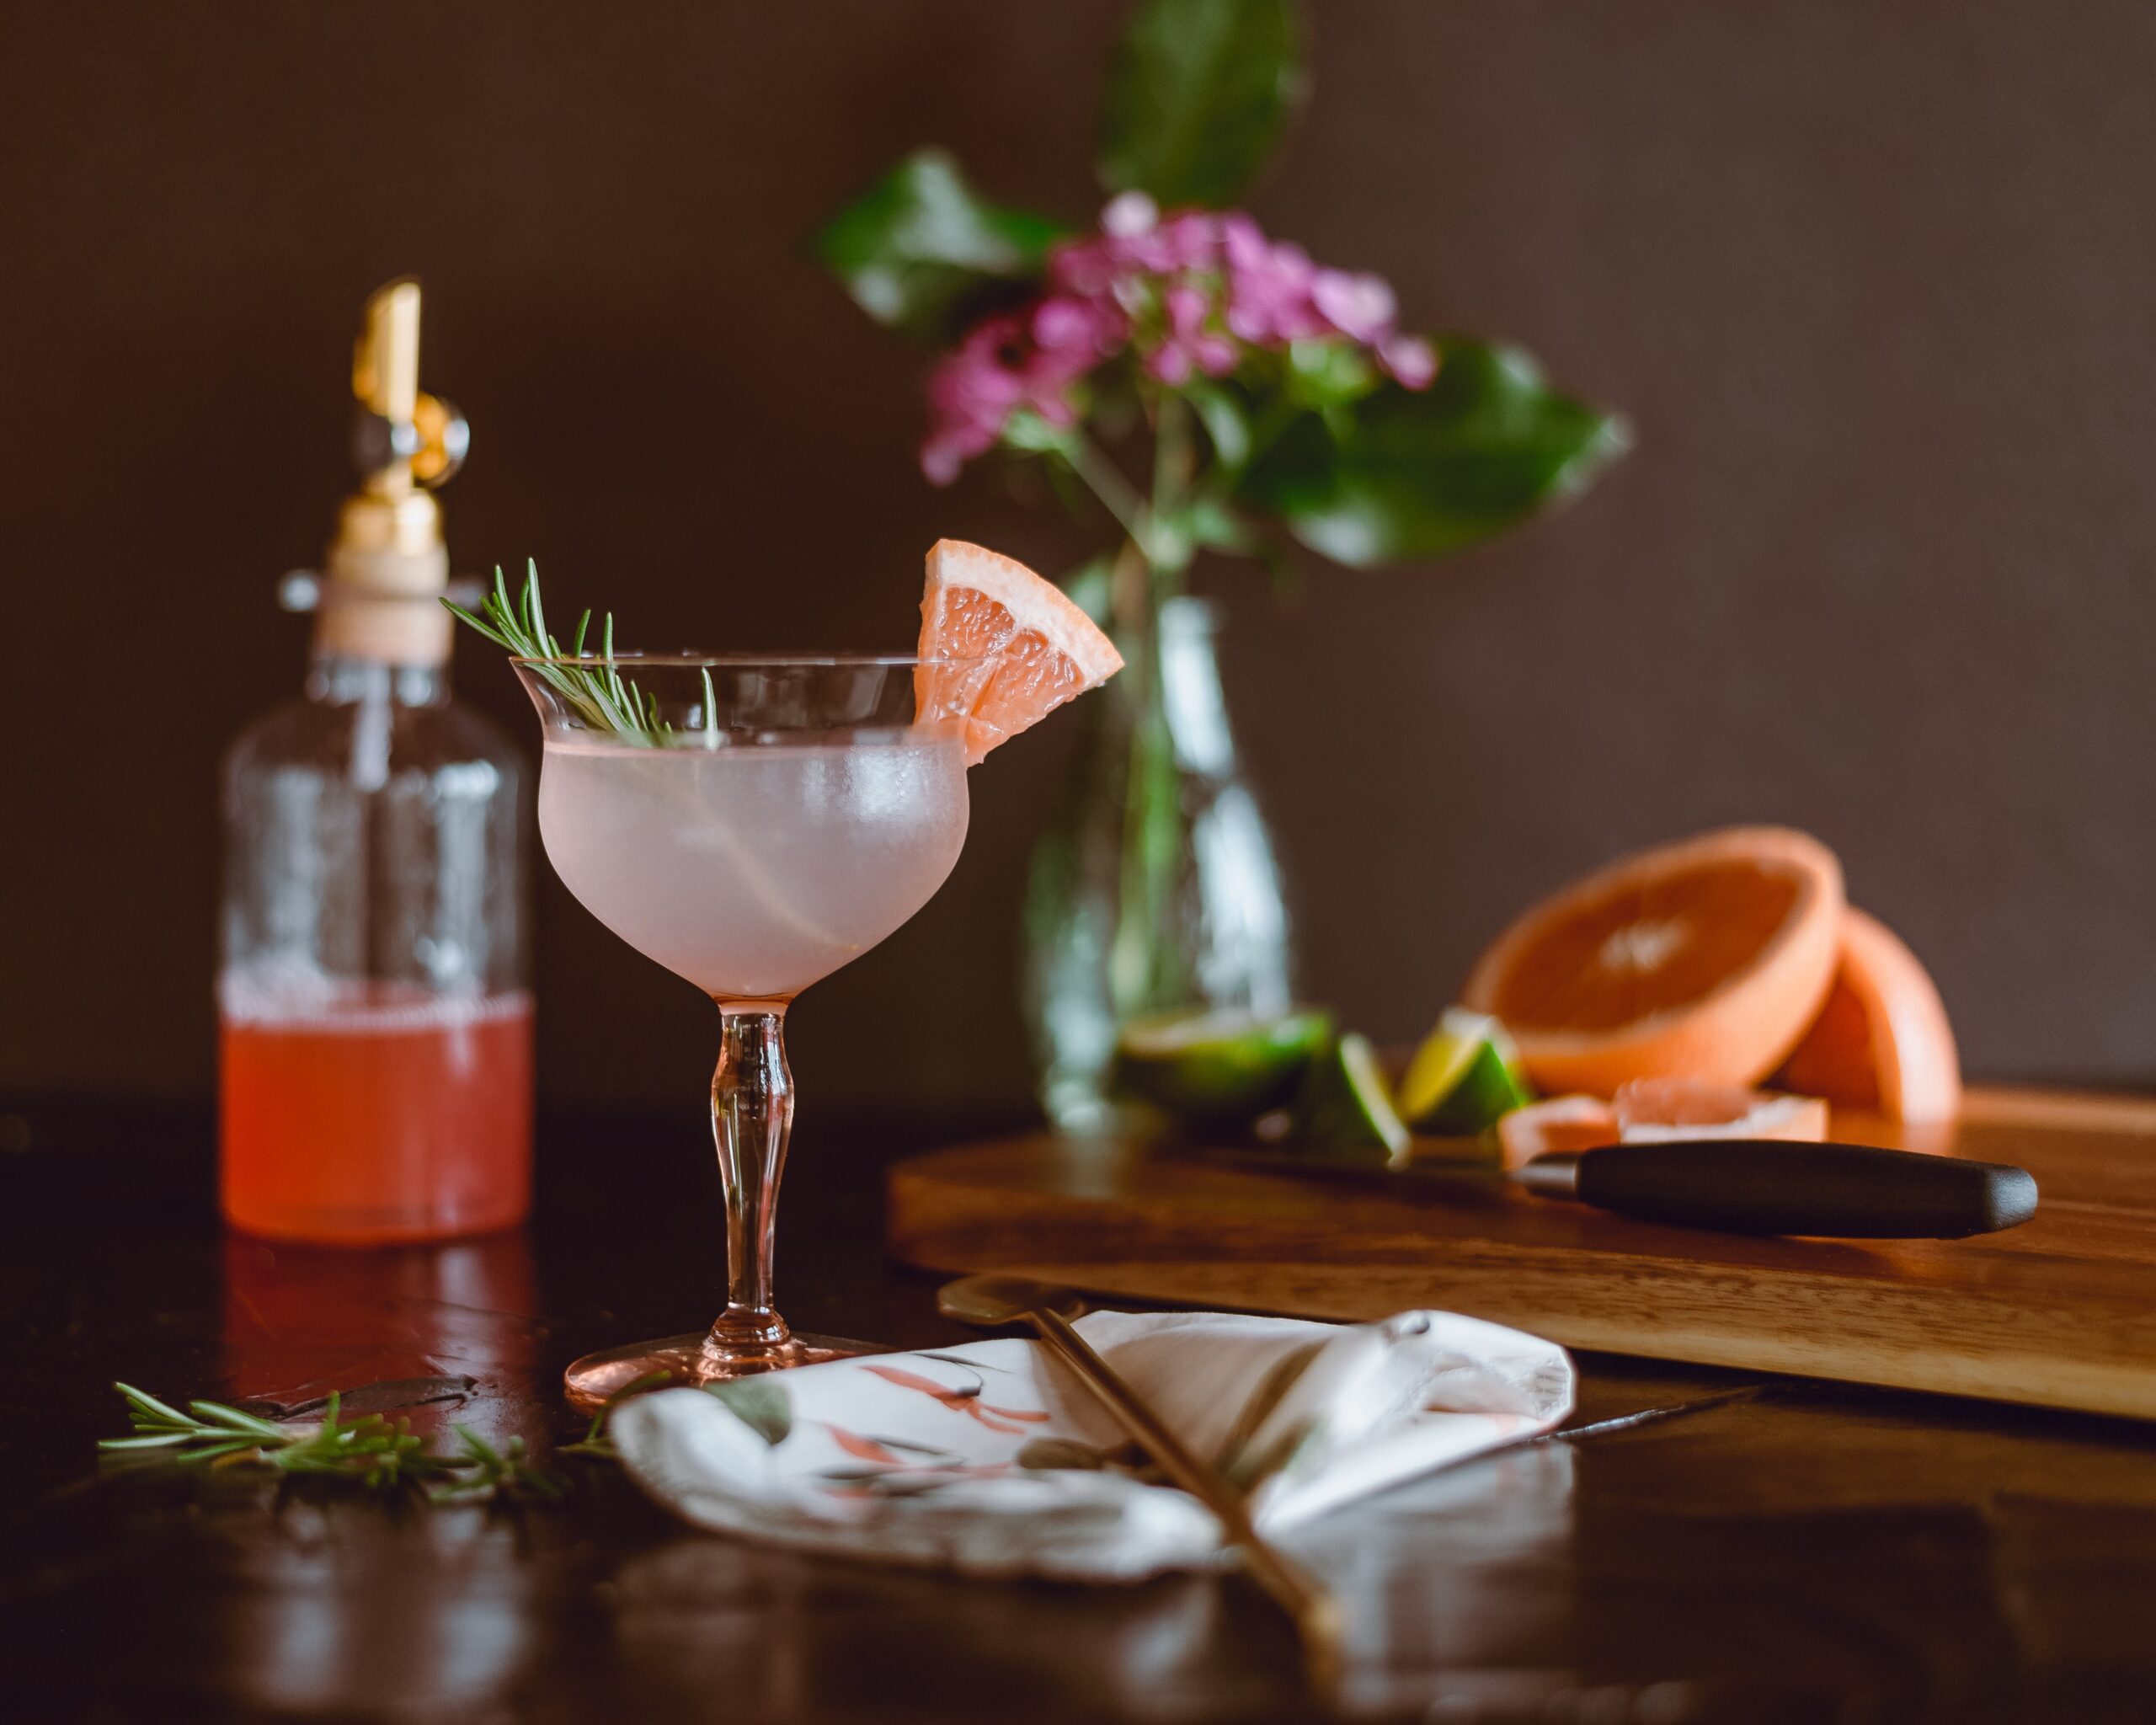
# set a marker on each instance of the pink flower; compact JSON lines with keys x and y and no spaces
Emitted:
{"x":1189,"y":344}
{"x":1128,"y":215}
{"x":1361,"y":307}
{"x":1072,"y":335}
{"x":1193,"y":292}
{"x":1190,"y":241}
{"x":1134,"y":236}
{"x":971,"y":394}
{"x":1083,"y":268}
{"x":1412,"y":361}
{"x":1268,"y":286}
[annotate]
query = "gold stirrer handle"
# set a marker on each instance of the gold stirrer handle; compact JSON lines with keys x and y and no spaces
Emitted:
{"x":1316,"y":1613}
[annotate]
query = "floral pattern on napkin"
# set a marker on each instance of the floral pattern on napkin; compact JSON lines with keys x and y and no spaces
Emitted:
{"x":994,"y":1459}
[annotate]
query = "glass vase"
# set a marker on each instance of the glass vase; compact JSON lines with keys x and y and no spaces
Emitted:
{"x":1157,"y":885}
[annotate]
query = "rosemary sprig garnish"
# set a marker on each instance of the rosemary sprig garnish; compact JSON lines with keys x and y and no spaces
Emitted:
{"x":603,"y":697}
{"x":377,"y":1453}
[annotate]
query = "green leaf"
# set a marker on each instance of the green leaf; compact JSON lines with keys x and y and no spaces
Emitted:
{"x":1197,"y":96}
{"x":1405,"y":474}
{"x":1329,"y":373}
{"x":1212,"y":524}
{"x":758,"y":1403}
{"x":921,"y":252}
{"x":1091,"y":587}
{"x":1204,"y":522}
{"x":1036,"y":434}
{"x":1220,"y":411}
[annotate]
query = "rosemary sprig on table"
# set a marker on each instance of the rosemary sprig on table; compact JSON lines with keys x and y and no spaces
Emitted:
{"x":378,"y":1453}
{"x":594,"y":1441}
{"x":602,"y":697}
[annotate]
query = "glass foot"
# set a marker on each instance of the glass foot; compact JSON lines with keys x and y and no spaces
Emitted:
{"x":695,"y":1359}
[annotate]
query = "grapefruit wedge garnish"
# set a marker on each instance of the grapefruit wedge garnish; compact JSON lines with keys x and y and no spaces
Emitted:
{"x":1704,"y":960}
{"x":1882,"y":1043}
{"x":1018,"y":647}
{"x":1657,"y":1111}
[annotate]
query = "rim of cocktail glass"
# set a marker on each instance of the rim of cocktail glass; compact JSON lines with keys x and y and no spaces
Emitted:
{"x":744,"y":661}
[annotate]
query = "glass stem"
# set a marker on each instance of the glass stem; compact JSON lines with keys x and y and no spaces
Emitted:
{"x":751,"y":1113}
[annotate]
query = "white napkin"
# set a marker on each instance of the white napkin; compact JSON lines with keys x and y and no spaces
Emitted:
{"x":992,"y":1458}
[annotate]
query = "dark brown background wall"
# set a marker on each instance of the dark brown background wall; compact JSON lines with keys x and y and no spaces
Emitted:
{"x":1876,"y":283}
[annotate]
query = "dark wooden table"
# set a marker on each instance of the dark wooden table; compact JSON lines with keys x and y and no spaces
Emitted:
{"x":1696,"y":1545}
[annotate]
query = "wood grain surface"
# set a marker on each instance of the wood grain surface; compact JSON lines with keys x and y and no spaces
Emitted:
{"x":2059,"y":1312}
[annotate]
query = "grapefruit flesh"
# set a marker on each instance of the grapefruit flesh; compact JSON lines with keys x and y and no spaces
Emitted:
{"x":1705,"y":960}
{"x":1657,"y":1111}
{"x":1882,"y":1043}
{"x":1015,"y":647}
{"x":1561,"y":1123}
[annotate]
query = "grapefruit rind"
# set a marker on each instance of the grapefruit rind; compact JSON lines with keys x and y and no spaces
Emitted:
{"x":1881,"y":1040}
{"x":1034,"y":601}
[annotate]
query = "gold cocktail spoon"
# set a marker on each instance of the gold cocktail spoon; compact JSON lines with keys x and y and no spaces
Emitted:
{"x":997,"y":1302}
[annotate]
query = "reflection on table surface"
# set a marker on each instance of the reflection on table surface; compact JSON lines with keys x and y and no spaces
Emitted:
{"x":1698,"y":1544}
{"x":455,"y":1324}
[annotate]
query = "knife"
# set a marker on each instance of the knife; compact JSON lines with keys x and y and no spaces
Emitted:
{"x":1739,"y":1185}
{"x":1773,"y":1186}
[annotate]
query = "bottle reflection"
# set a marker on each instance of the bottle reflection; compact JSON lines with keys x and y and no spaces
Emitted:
{"x":350,"y":1602}
{"x":346,"y":1610}
{"x":789,"y":1637}
{"x":453,"y":1328}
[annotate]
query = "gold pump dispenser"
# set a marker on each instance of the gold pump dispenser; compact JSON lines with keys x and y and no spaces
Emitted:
{"x":387,"y":566}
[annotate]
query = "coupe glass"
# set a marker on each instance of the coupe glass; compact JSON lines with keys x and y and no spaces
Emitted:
{"x":761,"y":822}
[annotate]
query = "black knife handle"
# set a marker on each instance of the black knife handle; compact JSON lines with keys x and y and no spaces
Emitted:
{"x":1770,"y":1186}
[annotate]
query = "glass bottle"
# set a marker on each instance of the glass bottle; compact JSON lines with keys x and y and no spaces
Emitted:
{"x":1157,"y":886}
{"x":375,"y":1024}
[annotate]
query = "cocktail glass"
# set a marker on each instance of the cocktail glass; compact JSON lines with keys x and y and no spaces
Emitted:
{"x":752,"y":825}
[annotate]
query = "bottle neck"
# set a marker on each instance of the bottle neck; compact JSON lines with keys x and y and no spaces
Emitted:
{"x":342,"y":679}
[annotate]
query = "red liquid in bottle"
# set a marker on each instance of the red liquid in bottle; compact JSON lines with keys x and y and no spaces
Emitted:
{"x":382,"y":1113}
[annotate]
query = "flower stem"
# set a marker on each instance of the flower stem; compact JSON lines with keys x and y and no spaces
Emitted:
{"x":1118,"y":495}
{"x":1168,"y":551}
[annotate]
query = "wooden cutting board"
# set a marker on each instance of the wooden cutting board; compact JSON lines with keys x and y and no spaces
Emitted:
{"x":2059,"y":1312}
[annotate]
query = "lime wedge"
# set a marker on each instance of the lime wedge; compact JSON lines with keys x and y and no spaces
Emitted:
{"x":1464,"y":1078}
{"x":1344,"y":1110}
{"x":1218,"y":1067}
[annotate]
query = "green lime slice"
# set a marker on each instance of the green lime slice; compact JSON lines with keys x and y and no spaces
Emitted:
{"x":1344,"y":1109}
{"x":1218,"y":1067}
{"x":1465,"y":1077}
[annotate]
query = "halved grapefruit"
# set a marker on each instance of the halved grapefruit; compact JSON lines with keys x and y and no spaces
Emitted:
{"x":1882,"y":1043}
{"x":1019,"y":647}
{"x":1706,"y":959}
{"x":1656,"y":1111}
